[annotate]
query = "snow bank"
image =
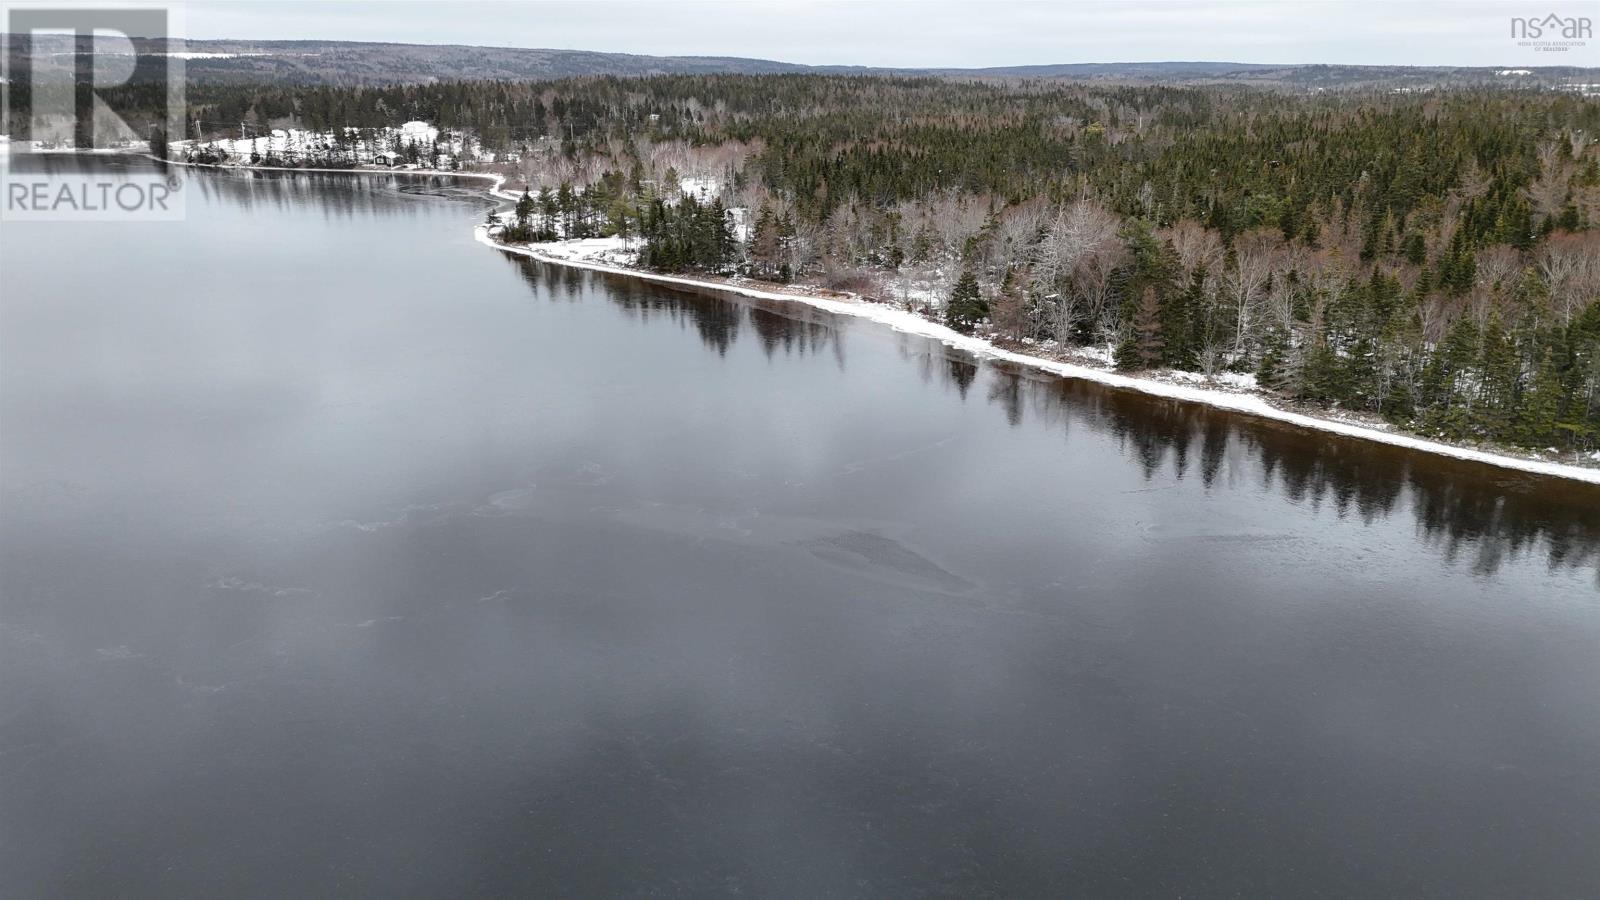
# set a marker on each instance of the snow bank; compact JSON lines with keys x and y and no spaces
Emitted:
{"x":610,"y":251}
{"x":1252,"y":404}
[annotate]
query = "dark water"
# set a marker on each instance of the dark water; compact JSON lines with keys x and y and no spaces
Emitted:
{"x":343,"y":556}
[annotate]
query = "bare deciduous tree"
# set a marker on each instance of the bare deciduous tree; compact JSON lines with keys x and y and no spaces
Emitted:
{"x":1498,"y":269}
{"x":1255,"y":257}
{"x":1196,"y":246}
{"x":1570,"y":264}
{"x":1073,"y":264}
{"x":1548,"y":192}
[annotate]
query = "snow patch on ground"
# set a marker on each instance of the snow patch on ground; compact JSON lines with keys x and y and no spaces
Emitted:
{"x":1244,"y":381}
{"x":918,"y":289}
{"x":701,"y":189}
{"x":1237,"y":381}
{"x":1103,"y":356}
{"x":609,"y":251}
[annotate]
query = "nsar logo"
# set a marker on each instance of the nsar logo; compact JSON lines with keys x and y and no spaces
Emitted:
{"x":1552,"y":32}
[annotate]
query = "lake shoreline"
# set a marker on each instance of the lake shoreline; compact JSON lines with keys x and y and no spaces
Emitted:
{"x":1247,"y":402}
{"x":1243,"y":401}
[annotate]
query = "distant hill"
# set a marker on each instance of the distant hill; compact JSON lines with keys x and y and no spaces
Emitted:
{"x":352,"y":63}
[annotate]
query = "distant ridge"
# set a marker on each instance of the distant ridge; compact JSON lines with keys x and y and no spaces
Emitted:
{"x":305,"y":62}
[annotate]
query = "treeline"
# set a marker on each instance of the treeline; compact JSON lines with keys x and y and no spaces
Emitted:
{"x":681,"y":236}
{"x":1233,"y":159}
{"x":1428,"y":257}
{"x":686,"y":236}
{"x":608,"y":206}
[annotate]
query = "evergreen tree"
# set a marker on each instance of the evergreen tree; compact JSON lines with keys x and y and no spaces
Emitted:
{"x":1538,"y":415}
{"x":1145,"y":347}
{"x":1499,"y":375}
{"x":1179,"y":322}
{"x":966,"y":307}
{"x":1276,"y":372}
{"x":1447,"y":381}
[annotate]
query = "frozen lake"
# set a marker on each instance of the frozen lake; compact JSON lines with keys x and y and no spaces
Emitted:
{"x":341,"y":555}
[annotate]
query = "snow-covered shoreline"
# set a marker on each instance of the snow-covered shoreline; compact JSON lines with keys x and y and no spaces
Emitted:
{"x":493,"y":189}
{"x":901,"y":320}
{"x":910,"y":323}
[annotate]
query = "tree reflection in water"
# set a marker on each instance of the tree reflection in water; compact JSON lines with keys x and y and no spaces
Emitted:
{"x":1462,"y":509}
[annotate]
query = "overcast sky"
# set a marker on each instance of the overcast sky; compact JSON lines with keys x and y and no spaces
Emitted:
{"x":932,"y":32}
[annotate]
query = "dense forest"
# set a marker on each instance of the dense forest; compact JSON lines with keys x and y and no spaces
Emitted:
{"x":1432,"y":257}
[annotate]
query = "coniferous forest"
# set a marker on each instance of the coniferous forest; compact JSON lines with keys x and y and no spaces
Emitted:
{"x":1431,"y":257}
